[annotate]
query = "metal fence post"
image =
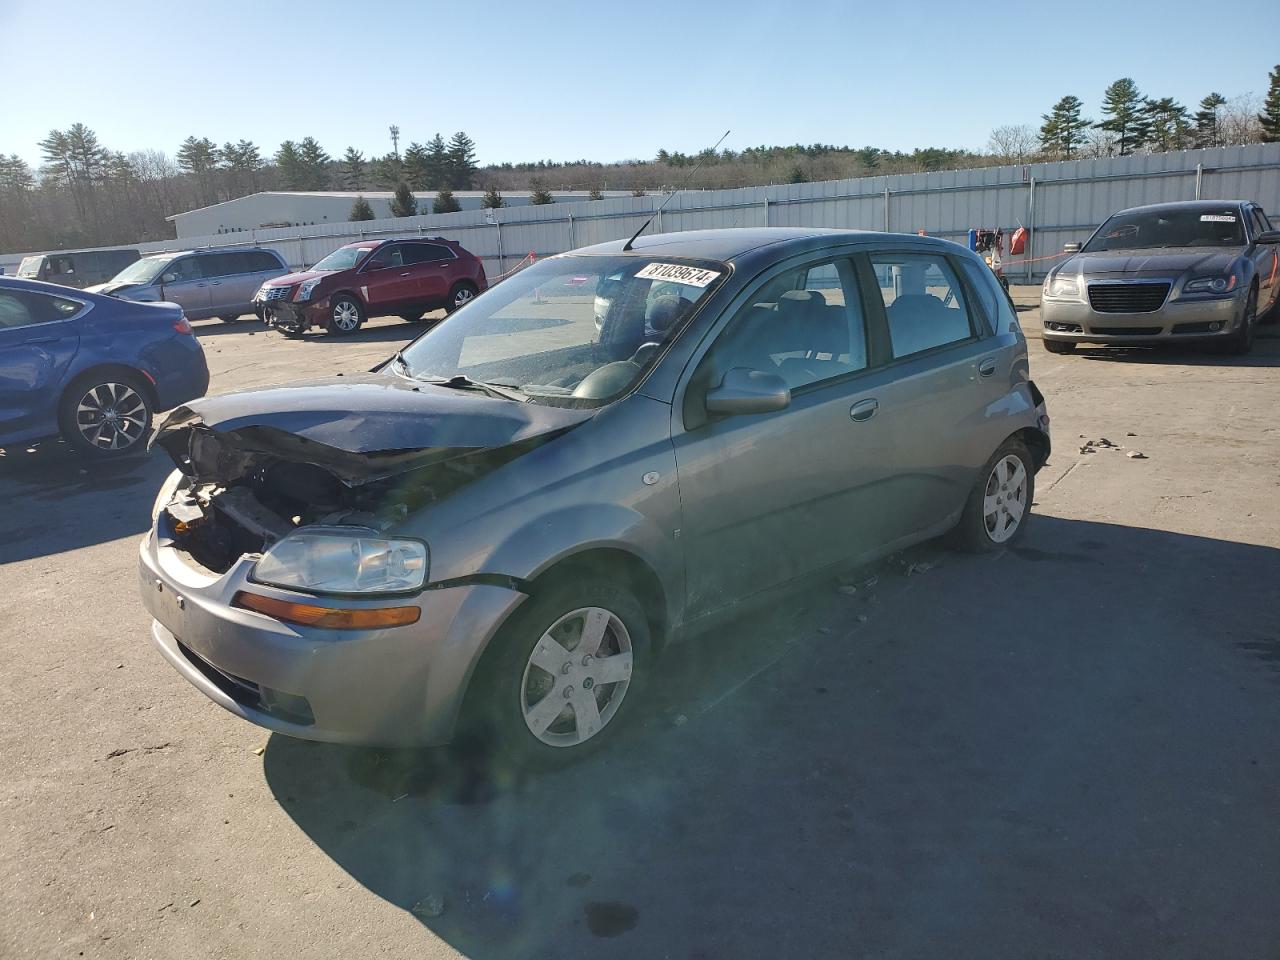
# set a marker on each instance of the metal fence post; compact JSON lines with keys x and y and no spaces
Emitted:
{"x":886,"y":209}
{"x":1031,"y":226}
{"x":572,"y":243}
{"x":502,"y":260}
{"x":766,"y":212}
{"x":1199,"y":178}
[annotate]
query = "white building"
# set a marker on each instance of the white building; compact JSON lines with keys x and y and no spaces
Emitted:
{"x":296,"y":209}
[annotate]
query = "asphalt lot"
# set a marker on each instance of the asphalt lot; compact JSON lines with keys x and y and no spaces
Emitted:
{"x":1068,"y":749}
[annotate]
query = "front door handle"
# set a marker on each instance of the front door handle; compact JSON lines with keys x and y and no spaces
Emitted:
{"x":405,"y":274}
{"x":215,"y":283}
{"x":864,"y":409}
{"x":42,"y":340}
{"x":987,"y":367}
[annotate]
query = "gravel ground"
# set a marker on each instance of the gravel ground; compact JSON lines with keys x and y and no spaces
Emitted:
{"x":1064,"y":750}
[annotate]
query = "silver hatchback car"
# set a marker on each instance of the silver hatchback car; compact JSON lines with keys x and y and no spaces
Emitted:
{"x":504,"y":524}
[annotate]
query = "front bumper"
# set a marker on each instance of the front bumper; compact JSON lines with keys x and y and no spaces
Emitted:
{"x":295,"y":317}
{"x":1177,"y":320}
{"x":391,"y":687}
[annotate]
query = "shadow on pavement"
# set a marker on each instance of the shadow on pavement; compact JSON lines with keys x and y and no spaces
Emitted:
{"x":1265,"y":353}
{"x":55,"y":500}
{"x":1066,"y":749}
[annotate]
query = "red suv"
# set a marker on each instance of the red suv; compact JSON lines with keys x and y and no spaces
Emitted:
{"x":372,"y":278}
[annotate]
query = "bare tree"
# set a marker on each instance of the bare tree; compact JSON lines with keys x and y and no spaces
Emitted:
{"x":1014,"y":143}
{"x":1238,"y":120}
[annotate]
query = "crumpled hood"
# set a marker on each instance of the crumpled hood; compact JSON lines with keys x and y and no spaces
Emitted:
{"x":365,"y":426}
{"x":1160,"y":261}
{"x":109,"y":289}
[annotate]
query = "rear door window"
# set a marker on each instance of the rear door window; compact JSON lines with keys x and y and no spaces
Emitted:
{"x":923,"y":302}
{"x":21,"y":308}
{"x":261,"y":261}
{"x":426,"y":253}
{"x":224,"y":264}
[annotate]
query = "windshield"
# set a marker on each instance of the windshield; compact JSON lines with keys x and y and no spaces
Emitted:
{"x":1169,"y":228}
{"x":30,"y":267}
{"x":570,"y":331}
{"x":344,"y":258}
{"x":142,"y":271}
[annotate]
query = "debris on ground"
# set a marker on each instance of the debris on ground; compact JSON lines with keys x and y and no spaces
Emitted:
{"x":194,"y":902}
{"x":1136,"y":455}
{"x":870,"y":582}
{"x":259,"y":751}
{"x":920,"y":566}
{"x":429,"y":906}
{"x":824,"y":630}
{"x":848,"y":589}
{"x":1130,"y":434}
{"x":862,"y":618}
{"x":1088,"y":448}
{"x":680,"y":720}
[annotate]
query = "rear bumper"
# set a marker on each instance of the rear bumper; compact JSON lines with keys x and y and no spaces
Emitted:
{"x":180,"y":371}
{"x":1078,"y":322}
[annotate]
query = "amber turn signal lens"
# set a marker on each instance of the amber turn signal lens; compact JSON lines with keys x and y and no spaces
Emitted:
{"x":333,"y":618}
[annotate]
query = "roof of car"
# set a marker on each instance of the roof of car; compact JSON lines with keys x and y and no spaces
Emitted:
{"x":1187,"y":205}
{"x":732,"y":242}
{"x":24,"y":283}
{"x":201,"y":250}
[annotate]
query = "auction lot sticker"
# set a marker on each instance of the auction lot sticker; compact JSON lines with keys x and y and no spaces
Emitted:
{"x":678,"y":273}
{"x":1217,"y":218}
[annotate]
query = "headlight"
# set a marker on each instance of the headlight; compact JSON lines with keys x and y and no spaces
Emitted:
{"x":304,"y":291}
{"x":261,"y":291}
{"x":1210,"y":285}
{"x":1062,"y":288}
{"x":343,"y":560}
{"x":167,"y":490}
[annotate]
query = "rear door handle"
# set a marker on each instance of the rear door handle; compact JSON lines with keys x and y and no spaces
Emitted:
{"x":215,"y":283}
{"x":987,"y":367}
{"x":405,"y":274}
{"x":864,"y":409}
{"x":42,"y":340}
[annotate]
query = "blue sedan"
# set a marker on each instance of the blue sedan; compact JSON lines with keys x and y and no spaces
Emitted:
{"x":91,"y":368}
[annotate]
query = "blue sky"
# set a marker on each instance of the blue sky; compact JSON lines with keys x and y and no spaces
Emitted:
{"x":603,"y":81}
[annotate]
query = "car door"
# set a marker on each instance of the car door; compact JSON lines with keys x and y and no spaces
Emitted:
{"x":942,"y":373}
{"x":231,"y":283}
{"x":183,"y":283}
{"x":386,"y":282}
{"x":39,"y":336}
{"x":770,"y":497}
{"x":1266,"y":259}
{"x":433,"y":265}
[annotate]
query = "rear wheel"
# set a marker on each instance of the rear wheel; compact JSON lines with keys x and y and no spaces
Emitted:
{"x":562,"y":674}
{"x":230,"y":318}
{"x":461,"y":294}
{"x":107,"y":415}
{"x":346,"y":315}
{"x":996,"y":511}
{"x":1059,"y":346}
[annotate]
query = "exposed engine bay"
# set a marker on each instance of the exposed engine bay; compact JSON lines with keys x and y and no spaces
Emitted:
{"x":246,"y":489}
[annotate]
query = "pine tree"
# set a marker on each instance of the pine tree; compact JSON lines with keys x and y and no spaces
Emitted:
{"x":315,"y":164}
{"x":352,"y":172}
{"x":1269,"y":118}
{"x":360,"y":210}
{"x":1206,"y":133}
{"x":417,"y":168}
{"x":404,"y":204}
{"x":1064,"y":127}
{"x":462,"y":161}
{"x":288,"y":162}
{"x":797,"y":175}
{"x":445,"y":202}
{"x":595,"y":194}
{"x":388,"y":171}
{"x":438,"y":168}
{"x":1123,"y":107}
{"x":538,"y":195}
{"x":492,"y":199}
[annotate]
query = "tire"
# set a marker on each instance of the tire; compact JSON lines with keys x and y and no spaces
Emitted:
{"x":501,"y":710}
{"x":410,"y":316}
{"x":346,"y":315}
{"x":463,"y":292}
{"x":230,"y":318}
{"x":981,"y":532}
{"x":106,"y":415}
{"x":1059,"y":346}
{"x":1241,"y":342}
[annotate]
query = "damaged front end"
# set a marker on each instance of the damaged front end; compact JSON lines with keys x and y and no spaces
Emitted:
{"x":242,"y":490}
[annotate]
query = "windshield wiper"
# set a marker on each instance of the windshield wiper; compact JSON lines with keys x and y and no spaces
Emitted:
{"x":398,"y":358}
{"x":461,"y":381}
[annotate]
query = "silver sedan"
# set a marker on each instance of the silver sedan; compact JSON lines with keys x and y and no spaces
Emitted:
{"x":1203,"y":270}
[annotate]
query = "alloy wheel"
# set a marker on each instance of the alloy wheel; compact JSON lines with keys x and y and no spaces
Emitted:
{"x":111,"y":416}
{"x":462,"y":297}
{"x":1004,"y":500}
{"x":576,"y":677}
{"x":346,"y":316}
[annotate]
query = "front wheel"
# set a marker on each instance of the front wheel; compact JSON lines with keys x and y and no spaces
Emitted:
{"x":1241,"y":341}
{"x":230,"y":318}
{"x":461,"y":294}
{"x":1059,"y":346}
{"x":562,"y":675}
{"x":996,"y":512}
{"x":105,"y":416}
{"x":346,"y":315}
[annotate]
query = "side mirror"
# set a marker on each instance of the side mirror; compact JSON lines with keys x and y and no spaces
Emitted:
{"x":1269,"y":236}
{"x":749,"y":391}
{"x":168,"y":278}
{"x":1071,"y":248}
